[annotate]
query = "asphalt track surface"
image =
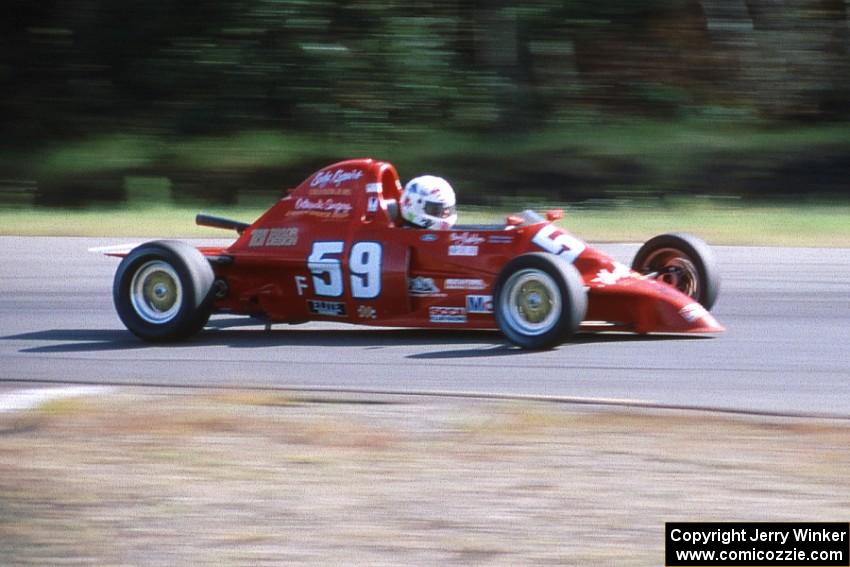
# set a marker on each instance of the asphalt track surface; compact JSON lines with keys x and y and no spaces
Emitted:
{"x":786,"y":351}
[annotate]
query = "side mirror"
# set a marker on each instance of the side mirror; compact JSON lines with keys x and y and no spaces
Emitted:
{"x":554,"y":214}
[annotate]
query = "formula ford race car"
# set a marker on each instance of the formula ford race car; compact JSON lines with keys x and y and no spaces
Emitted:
{"x":335,"y":249}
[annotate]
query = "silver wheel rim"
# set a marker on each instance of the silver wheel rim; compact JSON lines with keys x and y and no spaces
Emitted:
{"x":531,"y":303}
{"x":672,"y":268}
{"x":156,"y":292}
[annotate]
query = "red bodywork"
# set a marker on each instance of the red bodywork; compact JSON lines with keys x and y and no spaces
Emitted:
{"x":335,"y":250}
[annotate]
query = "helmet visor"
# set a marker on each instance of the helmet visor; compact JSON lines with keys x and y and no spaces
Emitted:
{"x":438,"y":210}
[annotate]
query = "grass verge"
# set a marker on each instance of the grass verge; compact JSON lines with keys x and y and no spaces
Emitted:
{"x":249,"y":478}
{"x":628,"y":163}
{"x":716,"y":222}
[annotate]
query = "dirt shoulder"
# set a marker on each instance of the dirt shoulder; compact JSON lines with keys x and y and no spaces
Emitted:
{"x":255,"y":478}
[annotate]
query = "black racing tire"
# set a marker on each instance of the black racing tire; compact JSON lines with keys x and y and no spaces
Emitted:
{"x":163,"y":291}
{"x":684,"y":261}
{"x":540,"y":301}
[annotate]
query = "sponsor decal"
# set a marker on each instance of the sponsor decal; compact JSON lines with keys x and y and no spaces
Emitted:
{"x":282,"y":237}
{"x":461,"y":250}
{"x":373,"y":187}
{"x":330,"y":192}
{"x":466,"y":239}
{"x":323,"y":207}
{"x":447,"y":314}
{"x":693,"y":312}
{"x":335,"y":178}
{"x":422,"y":286}
{"x":429,"y":237}
{"x":500,"y":239}
{"x":610,"y":277}
{"x":326,"y":308}
{"x":459,"y":283}
{"x":258,"y":237}
{"x":464,"y":243}
{"x":372,"y":205}
{"x":479,"y":303}
{"x":274,"y":237}
{"x":366,"y":312}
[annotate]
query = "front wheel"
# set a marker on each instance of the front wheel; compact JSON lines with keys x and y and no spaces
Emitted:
{"x":540,"y":301}
{"x":683,"y":261}
{"x":163,"y":291}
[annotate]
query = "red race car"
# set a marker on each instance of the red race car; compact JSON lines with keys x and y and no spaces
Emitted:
{"x":335,"y":249}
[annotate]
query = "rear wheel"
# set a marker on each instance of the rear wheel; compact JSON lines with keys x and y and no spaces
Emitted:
{"x":683,"y":261}
{"x":540,"y":301}
{"x":163,"y":291}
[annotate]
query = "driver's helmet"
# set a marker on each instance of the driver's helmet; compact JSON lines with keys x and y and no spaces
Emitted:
{"x":429,"y":202}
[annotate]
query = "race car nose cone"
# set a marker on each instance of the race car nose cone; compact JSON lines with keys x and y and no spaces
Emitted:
{"x":710,"y":325}
{"x":700,"y":320}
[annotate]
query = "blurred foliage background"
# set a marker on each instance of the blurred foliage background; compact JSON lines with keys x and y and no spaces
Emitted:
{"x":183,"y":100}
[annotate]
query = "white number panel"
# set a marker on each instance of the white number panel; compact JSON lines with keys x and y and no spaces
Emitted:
{"x":364,"y":262}
{"x":557,"y":242}
{"x":326,"y":268}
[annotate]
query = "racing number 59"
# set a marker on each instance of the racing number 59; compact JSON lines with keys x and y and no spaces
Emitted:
{"x":364,"y":265}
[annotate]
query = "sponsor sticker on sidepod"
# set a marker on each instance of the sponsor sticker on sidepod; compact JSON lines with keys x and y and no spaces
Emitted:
{"x":447,"y":314}
{"x":422,"y":286}
{"x":367,"y":312}
{"x":460,"y":250}
{"x":461,"y":283}
{"x":464,"y":243}
{"x":479,"y":303}
{"x":274,"y":237}
{"x":327,"y":308}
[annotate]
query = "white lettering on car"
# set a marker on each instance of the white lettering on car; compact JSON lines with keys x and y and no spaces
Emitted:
{"x":466,"y":238}
{"x":300,"y":284}
{"x":328,"y":206}
{"x":460,"y":283}
{"x":336,"y":178}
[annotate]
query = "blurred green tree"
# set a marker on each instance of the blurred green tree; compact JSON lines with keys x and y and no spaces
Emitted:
{"x":176,"y":69}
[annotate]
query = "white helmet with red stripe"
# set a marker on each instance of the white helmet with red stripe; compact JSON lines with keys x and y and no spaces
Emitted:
{"x":429,"y":202}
